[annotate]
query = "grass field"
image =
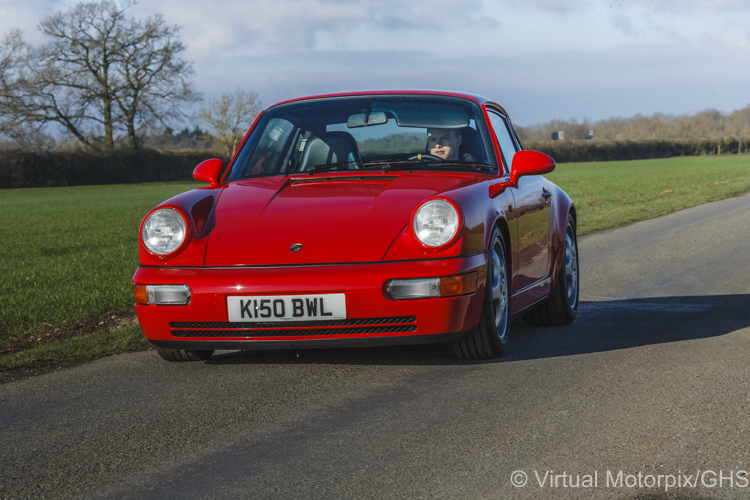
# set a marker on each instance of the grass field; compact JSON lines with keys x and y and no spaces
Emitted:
{"x":70,"y":253}
{"x":610,"y":194}
{"x":77,"y":348}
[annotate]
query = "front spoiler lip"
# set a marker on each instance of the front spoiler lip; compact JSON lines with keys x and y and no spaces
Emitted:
{"x":309,"y":343}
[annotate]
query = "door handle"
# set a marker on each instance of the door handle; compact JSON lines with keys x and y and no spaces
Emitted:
{"x":546,"y":194}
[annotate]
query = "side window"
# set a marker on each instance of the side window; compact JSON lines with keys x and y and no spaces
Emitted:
{"x":267,"y":156}
{"x":504,"y":139}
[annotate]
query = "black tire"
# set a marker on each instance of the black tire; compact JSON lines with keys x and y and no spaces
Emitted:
{"x":561,"y":308}
{"x":183,"y":355}
{"x":488,"y":339}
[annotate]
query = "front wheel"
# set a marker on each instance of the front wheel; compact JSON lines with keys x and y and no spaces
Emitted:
{"x":183,"y":355}
{"x":488,"y":339}
{"x":562,"y":306}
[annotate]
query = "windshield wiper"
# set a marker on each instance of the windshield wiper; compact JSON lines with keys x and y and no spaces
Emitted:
{"x":392,"y":164}
{"x":427,"y":164}
{"x":329,"y":166}
{"x":387,"y":164}
{"x":382,"y":162}
{"x":485,"y":167}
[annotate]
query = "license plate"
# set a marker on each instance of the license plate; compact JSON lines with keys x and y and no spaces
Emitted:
{"x":287,"y":307}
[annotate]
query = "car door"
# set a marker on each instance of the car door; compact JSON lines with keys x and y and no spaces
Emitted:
{"x":531,"y":252}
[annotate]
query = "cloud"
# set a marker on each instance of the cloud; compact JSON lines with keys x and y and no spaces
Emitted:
{"x":623,"y":23}
{"x":729,"y":40}
{"x":25,"y":16}
{"x":551,"y":57}
{"x":736,"y":40}
{"x":557,"y":84}
{"x":294,"y":24}
{"x":572,"y":6}
{"x":729,"y":3}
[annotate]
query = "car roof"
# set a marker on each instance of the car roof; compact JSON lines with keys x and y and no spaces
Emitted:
{"x":473,"y":97}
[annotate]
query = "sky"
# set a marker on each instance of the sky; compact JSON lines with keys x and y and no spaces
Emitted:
{"x":541,"y":59}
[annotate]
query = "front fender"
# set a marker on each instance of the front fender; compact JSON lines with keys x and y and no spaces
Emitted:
{"x":198,"y":206}
{"x":478,"y":212}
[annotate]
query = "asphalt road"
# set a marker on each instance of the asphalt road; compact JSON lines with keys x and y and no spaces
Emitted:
{"x":652,"y":379}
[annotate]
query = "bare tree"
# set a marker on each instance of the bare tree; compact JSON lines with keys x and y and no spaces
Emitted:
{"x":101,"y":75}
{"x":12,"y":50}
{"x":156,"y":79}
{"x":229,"y":117}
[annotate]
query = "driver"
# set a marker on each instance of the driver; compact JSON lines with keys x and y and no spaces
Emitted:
{"x":444,"y":142}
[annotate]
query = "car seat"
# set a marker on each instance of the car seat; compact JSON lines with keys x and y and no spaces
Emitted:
{"x":329,"y":147}
{"x":469,"y":149}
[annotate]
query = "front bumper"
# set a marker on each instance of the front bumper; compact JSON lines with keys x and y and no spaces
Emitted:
{"x":372,"y":318}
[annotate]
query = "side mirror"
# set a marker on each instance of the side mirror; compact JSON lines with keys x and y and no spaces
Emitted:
{"x":208,"y":171}
{"x":530,"y":163}
{"x":524,"y":163}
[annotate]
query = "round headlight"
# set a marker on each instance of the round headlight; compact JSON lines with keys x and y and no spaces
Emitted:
{"x":164,"y":231}
{"x":435,"y":223}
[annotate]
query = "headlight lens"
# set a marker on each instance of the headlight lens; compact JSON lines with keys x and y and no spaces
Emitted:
{"x":435,"y":223}
{"x":164,"y":231}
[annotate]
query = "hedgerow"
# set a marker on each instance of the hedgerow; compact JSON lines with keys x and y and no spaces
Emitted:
{"x":584,"y":151}
{"x":22,"y":169}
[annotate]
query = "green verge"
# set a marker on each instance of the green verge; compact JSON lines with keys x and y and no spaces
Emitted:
{"x":612,"y":194}
{"x":69,"y":253}
{"x":82,"y":348}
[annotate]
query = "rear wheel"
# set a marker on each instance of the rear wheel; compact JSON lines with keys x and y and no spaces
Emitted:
{"x":183,"y":355}
{"x":562,"y":306}
{"x":488,"y":339}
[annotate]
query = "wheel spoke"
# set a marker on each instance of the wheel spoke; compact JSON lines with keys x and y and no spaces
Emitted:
{"x":571,"y":269}
{"x":496,"y":277}
{"x":499,"y":284}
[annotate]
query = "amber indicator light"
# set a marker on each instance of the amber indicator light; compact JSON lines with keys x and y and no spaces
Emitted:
{"x":140,"y":295}
{"x":451,"y":286}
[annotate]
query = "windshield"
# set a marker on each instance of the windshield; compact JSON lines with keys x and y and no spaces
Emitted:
{"x":354,"y":133}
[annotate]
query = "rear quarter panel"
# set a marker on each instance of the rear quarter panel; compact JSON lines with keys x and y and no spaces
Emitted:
{"x":562,"y":205}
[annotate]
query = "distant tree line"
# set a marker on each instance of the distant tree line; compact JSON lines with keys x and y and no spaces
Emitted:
{"x":710,"y":124}
{"x":393,"y":144}
{"x":185,"y":139}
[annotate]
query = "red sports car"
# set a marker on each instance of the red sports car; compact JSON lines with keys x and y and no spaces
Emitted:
{"x":368,"y":218}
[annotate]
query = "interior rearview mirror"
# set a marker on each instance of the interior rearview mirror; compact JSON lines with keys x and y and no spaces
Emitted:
{"x":366,"y":119}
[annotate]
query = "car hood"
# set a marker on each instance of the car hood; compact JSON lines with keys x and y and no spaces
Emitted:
{"x":336,"y":219}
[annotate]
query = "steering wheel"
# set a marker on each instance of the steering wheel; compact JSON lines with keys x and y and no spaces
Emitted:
{"x":425,"y":156}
